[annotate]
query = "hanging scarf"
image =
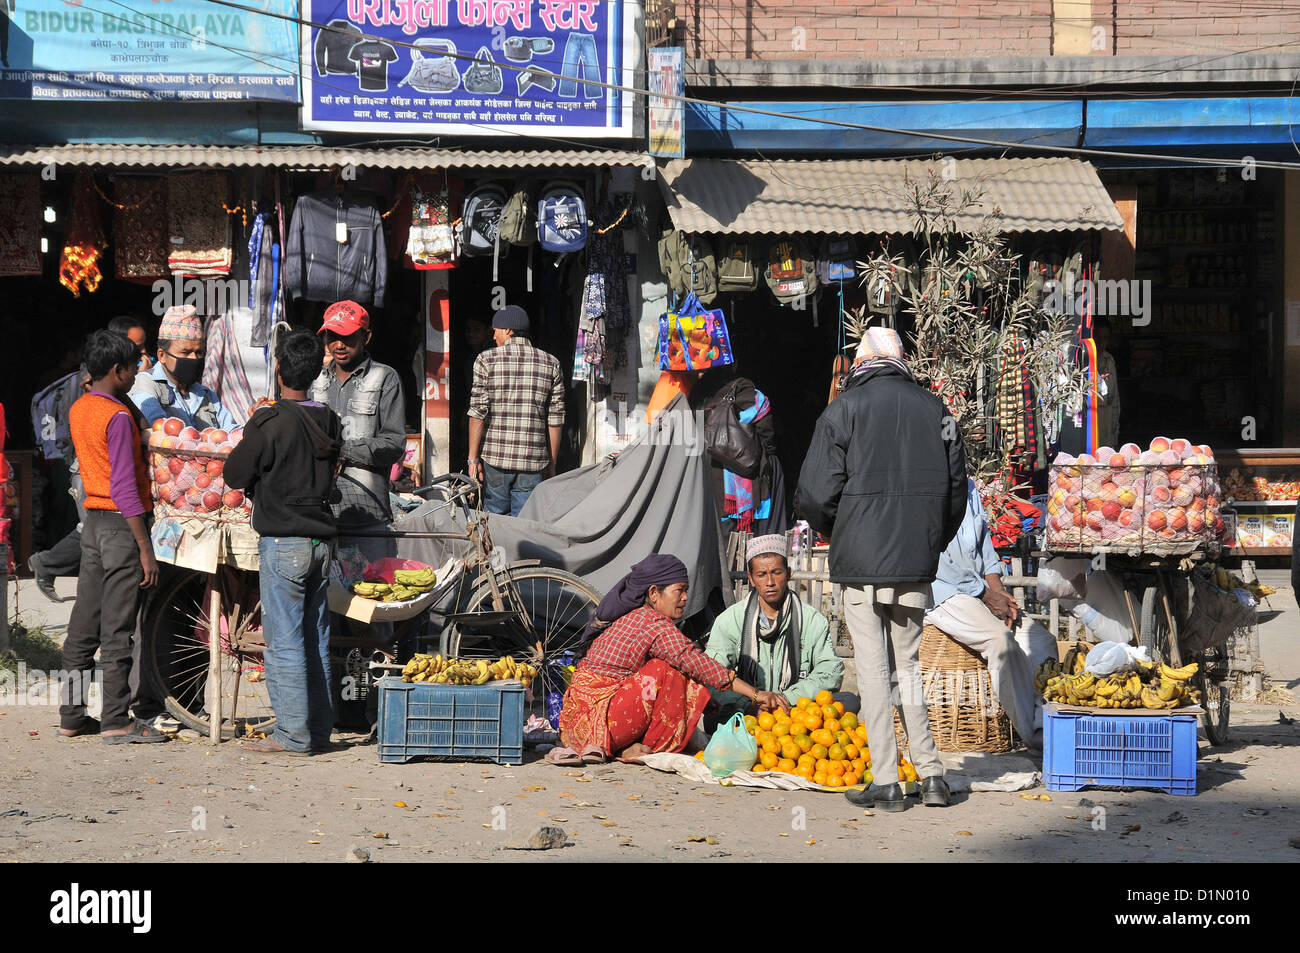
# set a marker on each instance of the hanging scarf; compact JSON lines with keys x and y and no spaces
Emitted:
{"x":738,"y":492}
{"x":879,"y":362}
{"x":1090,"y":354}
{"x":789,"y":620}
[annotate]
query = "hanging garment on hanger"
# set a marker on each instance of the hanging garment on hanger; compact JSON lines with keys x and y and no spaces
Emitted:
{"x":198,"y":224}
{"x":140,"y":228}
{"x":336,"y":249}
{"x":223,"y":370}
{"x":262,"y":290}
{"x":20,"y":228}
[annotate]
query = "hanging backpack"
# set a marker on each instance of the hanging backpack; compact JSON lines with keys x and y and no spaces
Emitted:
{"x":480,"y":221}
{"x":518,"y":226}
{"x":736,"y":269}
{"x":836,"y":260}
{"x":562,"y":219}
{"x":700,"y":269}
{"x":50,"y":416}
{"x":791,"y":271}
{"x":673,"y":250}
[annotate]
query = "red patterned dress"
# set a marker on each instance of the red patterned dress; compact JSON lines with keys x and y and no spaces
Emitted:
{"x":642,"y":680}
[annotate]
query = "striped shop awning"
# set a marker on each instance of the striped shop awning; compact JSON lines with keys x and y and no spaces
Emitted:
{"x":313,"y":157}
{"x":869,"y":196}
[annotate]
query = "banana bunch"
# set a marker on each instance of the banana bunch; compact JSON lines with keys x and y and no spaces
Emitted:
{"x":1154,"y":687}
{"x":408,"y":584}
{"x":506,"y":668}
{"x":1229,"y":581}
{"x":441,"y":671}
{"x":1072,"y":664}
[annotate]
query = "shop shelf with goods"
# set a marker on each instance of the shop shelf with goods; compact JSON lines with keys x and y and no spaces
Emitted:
{"x":1260,"y":490}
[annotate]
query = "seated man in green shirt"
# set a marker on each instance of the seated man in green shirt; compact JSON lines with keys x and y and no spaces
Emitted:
{"x":773,"y":640}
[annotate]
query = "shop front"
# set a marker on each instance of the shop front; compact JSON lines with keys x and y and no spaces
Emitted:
{"x":236,"y":232}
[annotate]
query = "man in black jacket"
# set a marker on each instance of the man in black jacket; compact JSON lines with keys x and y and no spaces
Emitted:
{"x":885,"y":481}
{"x":287,"y":463}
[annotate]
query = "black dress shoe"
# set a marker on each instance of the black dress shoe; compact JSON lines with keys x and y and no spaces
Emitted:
{"x":44,"y":581}
{"x":888,"y":797}
{"x":934,"y":792}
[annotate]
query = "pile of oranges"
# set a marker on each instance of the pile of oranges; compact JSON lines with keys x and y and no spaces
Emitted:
{"x":817,"y":740}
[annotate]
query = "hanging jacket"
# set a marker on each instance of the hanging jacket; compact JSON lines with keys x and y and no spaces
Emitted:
{"x":332,"y":48}
{"x":320,"y":268}
{"x":885,"y":480}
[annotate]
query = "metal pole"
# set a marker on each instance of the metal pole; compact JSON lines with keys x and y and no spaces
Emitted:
{"x":214,"y":668}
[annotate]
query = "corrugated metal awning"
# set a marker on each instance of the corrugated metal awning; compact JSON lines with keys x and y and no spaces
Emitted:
{"x":312,"y":157}
{"x":862,"y":197}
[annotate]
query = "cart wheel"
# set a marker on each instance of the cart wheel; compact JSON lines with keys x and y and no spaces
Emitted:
{"x":176,"y":658}
{"x":1211,"y":680}
{"x":559,"y":604}
{"x":1155,"y":626}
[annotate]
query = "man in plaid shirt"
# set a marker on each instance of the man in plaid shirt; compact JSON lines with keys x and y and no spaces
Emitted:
{"x":516,"y":415}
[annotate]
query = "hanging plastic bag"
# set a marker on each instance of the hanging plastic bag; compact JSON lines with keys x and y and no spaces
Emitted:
{"x":1062,"y":578}
{"x":731,"y":748}
{"x":1105,"y":612}
{"x":693,"y":338}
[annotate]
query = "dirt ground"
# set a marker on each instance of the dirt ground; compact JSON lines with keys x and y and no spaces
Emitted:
{"x":77,"y":800}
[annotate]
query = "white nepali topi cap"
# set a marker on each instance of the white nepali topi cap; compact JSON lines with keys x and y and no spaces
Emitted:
{"x":773,"y":544}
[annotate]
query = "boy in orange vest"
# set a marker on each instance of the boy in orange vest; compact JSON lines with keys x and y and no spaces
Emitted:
{"x":117,"y":561}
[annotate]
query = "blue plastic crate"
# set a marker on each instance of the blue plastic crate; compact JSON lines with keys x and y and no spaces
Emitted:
{"x":418,"y":720}
{"x":1113,"y":750}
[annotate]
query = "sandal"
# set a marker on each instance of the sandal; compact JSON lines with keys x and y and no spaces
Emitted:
{"x":140,"y":734}
{"x":564,"y":757}
{"x":86,"y":726}
{"x":594,"y":754}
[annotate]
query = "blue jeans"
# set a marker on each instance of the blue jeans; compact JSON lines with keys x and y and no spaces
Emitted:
{"x":506,"y":491}
{"x":295,"y":616}
{"x":580,"y":49}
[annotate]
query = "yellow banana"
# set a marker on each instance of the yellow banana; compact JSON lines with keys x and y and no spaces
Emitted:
{"x":1178,"y":674}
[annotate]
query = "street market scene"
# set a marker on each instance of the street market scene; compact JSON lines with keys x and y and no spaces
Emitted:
{"x":585,"y":430}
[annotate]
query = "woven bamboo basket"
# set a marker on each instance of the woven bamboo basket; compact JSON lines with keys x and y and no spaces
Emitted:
{"x":964,"y":713}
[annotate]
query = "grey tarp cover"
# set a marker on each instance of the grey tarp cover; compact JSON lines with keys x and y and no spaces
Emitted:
{"x":654,"y":496}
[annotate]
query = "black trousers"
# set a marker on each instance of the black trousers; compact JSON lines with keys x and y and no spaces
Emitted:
{"x":103,"y":620}
{"x":64,"y":557}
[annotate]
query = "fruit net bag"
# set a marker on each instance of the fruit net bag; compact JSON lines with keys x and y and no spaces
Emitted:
{"x":186,"y":478}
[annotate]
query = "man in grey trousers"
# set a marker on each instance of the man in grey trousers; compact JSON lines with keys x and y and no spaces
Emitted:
{"x":885,"y":480}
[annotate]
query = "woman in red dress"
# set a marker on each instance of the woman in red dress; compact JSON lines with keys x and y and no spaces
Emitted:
{"x":643,"y":685}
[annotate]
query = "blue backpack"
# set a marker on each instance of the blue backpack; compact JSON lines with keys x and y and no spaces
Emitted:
{"x":50,"y":416}
{"x":562,"y":219}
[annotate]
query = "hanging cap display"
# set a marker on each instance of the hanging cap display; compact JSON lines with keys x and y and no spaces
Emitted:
{"x":345,"y":318}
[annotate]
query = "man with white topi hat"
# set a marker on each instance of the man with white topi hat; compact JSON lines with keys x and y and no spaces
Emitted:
{"x":773,"y":640}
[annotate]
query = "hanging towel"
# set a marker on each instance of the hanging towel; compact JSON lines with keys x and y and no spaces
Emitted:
{"x":198,"y":224}
{"x":223,"y":370}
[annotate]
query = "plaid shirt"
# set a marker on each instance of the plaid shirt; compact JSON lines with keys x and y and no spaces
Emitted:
{"x":643,"y":634}
{"x":519,"y":392}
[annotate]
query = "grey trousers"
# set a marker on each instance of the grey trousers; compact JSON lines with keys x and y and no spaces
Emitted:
{"x":886,"y":643}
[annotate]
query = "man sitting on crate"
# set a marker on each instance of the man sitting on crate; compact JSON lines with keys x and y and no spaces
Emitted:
{"x":972,"y":607}
{"x":287,"y":463}
{"x":773,"y":640}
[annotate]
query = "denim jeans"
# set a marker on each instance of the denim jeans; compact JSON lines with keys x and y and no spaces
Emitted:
{"x":506,"y":491}
{"x":295,"y":616}
{"x":580,"y":49}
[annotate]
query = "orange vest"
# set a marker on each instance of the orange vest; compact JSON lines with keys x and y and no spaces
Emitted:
{"x":88,"y":420}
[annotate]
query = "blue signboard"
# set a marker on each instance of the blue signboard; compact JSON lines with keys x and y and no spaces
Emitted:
{"x":144,"y":50}
{"x":469,"y":67}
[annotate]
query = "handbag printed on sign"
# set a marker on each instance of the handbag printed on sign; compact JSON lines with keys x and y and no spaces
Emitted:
{"x":483,"y":75}
{"x":432,"y":68}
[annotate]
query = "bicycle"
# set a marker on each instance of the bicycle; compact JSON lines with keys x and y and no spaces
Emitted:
{"x":488,"y":608}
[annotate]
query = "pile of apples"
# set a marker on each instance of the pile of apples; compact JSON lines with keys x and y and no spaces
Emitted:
{"x":1168,"y":493}
{"x":187,"y":467}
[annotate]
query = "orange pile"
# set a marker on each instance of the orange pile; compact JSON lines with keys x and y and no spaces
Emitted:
{"x":817,"y":740}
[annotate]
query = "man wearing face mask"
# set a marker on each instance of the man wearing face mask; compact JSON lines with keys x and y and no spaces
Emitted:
{"x":367,"y":396}
{"x":172,"y":388}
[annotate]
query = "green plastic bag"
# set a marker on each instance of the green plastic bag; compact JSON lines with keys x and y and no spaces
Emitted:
{"x":731,"y":748}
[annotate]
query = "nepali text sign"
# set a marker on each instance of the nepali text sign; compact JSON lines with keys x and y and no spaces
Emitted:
{"x":145,"y":50}
{"x":469,"y":67}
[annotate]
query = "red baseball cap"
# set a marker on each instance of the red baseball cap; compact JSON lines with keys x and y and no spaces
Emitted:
{"x":345,"y":318}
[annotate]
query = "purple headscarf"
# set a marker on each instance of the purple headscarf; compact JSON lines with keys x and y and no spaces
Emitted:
{"x":628,"y":594}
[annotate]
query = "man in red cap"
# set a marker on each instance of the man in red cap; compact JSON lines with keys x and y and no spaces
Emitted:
{"x":367,"y":396}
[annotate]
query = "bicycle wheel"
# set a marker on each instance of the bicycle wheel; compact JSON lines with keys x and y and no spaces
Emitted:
{"x":175,"y":653}
{"x":559,"y":605}
{"x":1211,"y":680}
{"x":1155,"y":625}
